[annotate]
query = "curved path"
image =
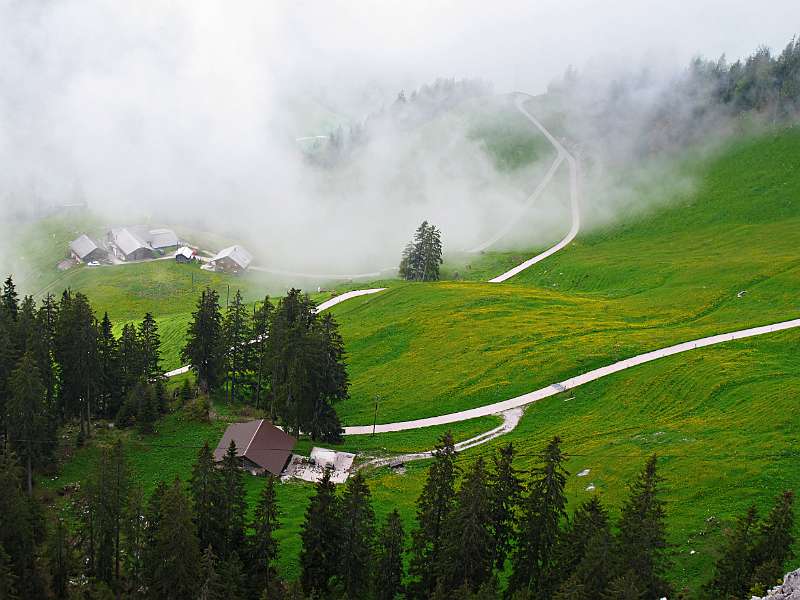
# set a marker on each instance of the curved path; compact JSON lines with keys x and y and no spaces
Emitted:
{"x":574,"y":200}
{"x":329,"y":276}
{"x":572,"y":382}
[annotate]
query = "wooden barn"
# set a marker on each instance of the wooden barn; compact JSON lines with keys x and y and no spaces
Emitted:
{"x":260,"y":446}
{"x":233,"y":259}
{"x":85,"y":249}
{"x":127,"y":245}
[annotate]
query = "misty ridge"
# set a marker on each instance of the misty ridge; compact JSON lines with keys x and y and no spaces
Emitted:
{"x":230,"y":127}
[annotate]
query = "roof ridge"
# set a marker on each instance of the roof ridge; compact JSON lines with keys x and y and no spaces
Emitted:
{"x":260,"y":423}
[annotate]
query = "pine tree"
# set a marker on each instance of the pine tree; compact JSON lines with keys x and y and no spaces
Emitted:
{"x":232,"y":578}
{"x":233,"y":502}
{"x":433,"y":508}
{"x":59,"y":559}
{"x":320,"y":535}
{"x":468,"y":556}
{"x":237,"y":336}
{"x":9,"y":299}
{"x":542,"y":512}
{"x":505,"y":492}
{"x":108,"y":392}
{"x":205,"y":489}
{"x":733,"y":569}
{"x":27,"y":417}
{"x":264,"y":550}
{"x":8,"y":579}
{"x":211,"y":585}
{"x":642,"y":533}
{"x":175,"y":571}
{"x":150,"y":347}
{"x":204,"y":348}
{"x":147,"y":413}
{"x":262,"y":317}
{"x":357,"y":536}
{"x":388,"y":572}
{"x":135,"y":538}
{"x":626,"y":587}
{"x":131,"y":367}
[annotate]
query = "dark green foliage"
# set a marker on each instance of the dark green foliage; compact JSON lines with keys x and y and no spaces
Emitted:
{"x":505,"y":492}
{"x":262,"y":317}
{"x":150,"y":348}
{"x":388,"y":571}
{"x":642,"y":533}
{"x":543,"y":509}
{"x":109,"y":388}
{"x":627,"y":586}
{"x":205,"y":349}
{"x":357,"y":533}
{"x":232,"y":503}
{"x":8,"y":579}
{"x":232,"y":577}
{"x":131,"y":365}
{"x":59,"y":555}
{"x":468,"y":558}
{"x":772,"y":547}
{"x":237,"y":336}
{"x":733,"y":570}
{"x":211,"y":585}
{"x":320,"y":536}
{"x":206,"y":491}
{"x":264,"y":546}
{"x":9,"y":299}
{"x":422,"y":257}
{"x":433,"y":508}
{"x":147,"y":412}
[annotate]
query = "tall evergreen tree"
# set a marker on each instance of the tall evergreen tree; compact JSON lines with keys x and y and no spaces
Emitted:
{"x":505,"y":488}
{"x":733,"y":570}
{"x":134,"y":540}
{"x":772,"y":546}
{"x":468,"y":558}
{"x":357,"y":537}
{"x":8,"y":579}
{"x":204,"y":348}
{"x":237,"y":335}
{"x":233,"y":503}
{"x":433,"y":508}
{"x":423,"y":256}
{"x":150,"y":347}
{"x":9,"y":299}
{"x":543,"y":509}
{"x":108,"y":376}
{"x":264,"y":549}
{"x":262,"y":317}
{"x":642,"y":533}
{"x":206,"y":491}
{"x":211,"y":584}
{"x":320,"y":535}
{"x":388,"y":571}
{"x":27,"y":417}
{"x":174,"y":574}
{"x":131,"y":367}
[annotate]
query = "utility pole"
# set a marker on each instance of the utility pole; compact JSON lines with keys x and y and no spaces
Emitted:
{"x":375,"y":418}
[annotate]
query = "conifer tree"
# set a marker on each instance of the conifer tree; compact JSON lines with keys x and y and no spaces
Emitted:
{"x":204,"y":348}
{"x":233,"y":502}
{"x":543,"y":509}
{"x":8,"y":579}
{"x":9,"y":299}
{"x":626,"y":587}
{"x":108,"y":376}
{"x":27,"y":416}
{"x":131,"y":367}
{"x":147,"y":412}
{"x":237,"y":336}
{"x":505,"y":488}
{"x":388,"y":572}
{"x":211,"y":585}
{"x":642,"y":533}
{"x":422,"y":257}
{"x":205,"y":489}
{"x":174,"y":572}
{"x":264,"y":550}
{"x":772,"y":546}
{"x":262,"y":317}
{"x":231,"y":577}
{"x":733,"y":569}
{"x":150,"y":347}
{"x":59,"y":559}
{"x":433,"y":508}
{"x":468,"y":556}
{"x":320,"y":535}
{"x":357,"y":536}
{"x":135,"y":538}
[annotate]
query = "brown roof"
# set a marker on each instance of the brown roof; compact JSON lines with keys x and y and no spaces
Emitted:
{"x":260,"y":442}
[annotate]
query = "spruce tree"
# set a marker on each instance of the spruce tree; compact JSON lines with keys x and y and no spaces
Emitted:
{"x":237,"y":336}
{"x":135,"y":538}
{"x":9,"y":299}
{"x":232,"y":578}
{"x":642,"y":533}
{"x":206,"y":491}
{"x":543,"y":509}
{"x":264,"y":546}
{"x":8,"y":580}
{"x":505,"y":488}
{"x":204,"y":348}
{"x":176,"y":568}
{"x":772,"y":546}
{"x":388,"y":571}
{"x":626,"y":587}
{"x":262,"y":317}
{"x":233,"y":503}
{"x":150,"y":347}
{"x":433,"y":508}
{"x":211,"y":585}
{"x":131,"y":366}
{"x":357,"y":537}
{"x":27,"y":417}
{"x":733,"y":569}
{"x":468,"y":556}
{"x":320,"y":535}
{"x":108,"y":377}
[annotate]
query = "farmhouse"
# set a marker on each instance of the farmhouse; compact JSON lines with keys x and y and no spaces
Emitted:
{"x":161,"y":238}
{"x":260,"y":446}
{"x":128,"y":245}
{"x":86,"y":249}
{"x":233,"y":259}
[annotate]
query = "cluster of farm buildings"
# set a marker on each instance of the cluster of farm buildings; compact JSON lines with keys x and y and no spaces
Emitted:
{"x":131,"y":244}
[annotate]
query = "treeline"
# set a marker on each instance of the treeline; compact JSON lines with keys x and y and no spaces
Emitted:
{"x":284,"y":358}
{"x":58,"y":363}
{"x":422,"y":256}
{"x":198,"y":539}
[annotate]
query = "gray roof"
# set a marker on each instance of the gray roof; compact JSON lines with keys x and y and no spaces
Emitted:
{"x":162,"y":238}
{"x":127,"y":241}
{"x":83,"y":246}
{"x":237,"y":254}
